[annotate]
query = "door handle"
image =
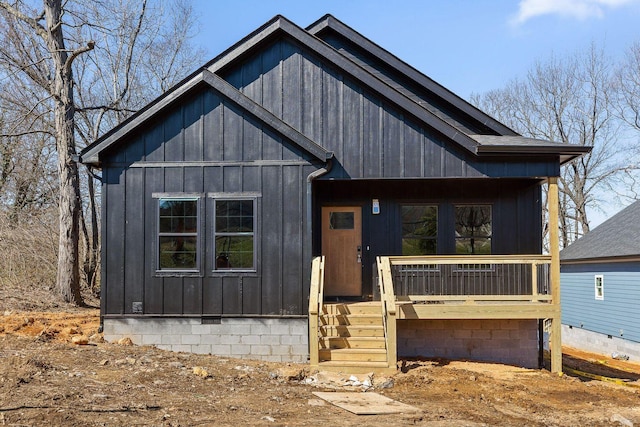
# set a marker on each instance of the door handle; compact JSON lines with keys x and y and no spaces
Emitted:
{"x":359,"y":257}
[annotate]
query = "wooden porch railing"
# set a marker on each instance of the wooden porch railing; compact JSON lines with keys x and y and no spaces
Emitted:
{"x":316,"y":297}
{"x":471,"y":278}
{"x":389,"y":308}
{"x":462,"y":286}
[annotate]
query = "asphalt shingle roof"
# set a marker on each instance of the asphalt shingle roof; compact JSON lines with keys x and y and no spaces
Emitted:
{"x":619,"y":236}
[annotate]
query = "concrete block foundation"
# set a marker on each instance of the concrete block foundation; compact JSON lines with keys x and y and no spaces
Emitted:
{"x":598,"y":343}
{"x":275,"y":340}
{"x":513,"y":342}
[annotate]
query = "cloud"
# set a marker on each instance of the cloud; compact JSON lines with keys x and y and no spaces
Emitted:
{"x":578,"y":9}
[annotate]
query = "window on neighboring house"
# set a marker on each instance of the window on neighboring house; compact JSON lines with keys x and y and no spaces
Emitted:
{"x":178,"y":234}
{"x":419,"y":229}
{"x":234,"y":234}
{"x":473,"y":229}
{"x":599,"y":286}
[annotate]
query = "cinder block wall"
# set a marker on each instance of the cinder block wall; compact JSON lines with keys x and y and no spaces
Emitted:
{"x":513,"y":342}
{"x":599,"y":343}
{"x":275,"y":340}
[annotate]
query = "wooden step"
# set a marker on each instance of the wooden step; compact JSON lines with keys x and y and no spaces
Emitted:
{"x":351,"y":319}
{"x":354,"y":355}
{"x":354,"y":308}
{"x":351,"y":331}
{"x":351,"y":342}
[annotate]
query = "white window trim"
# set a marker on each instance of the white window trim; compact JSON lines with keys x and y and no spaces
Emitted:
{"x":598,"y":295}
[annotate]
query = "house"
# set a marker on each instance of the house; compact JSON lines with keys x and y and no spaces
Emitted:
{"x":316,"y":144}
{"x":600,"y":276}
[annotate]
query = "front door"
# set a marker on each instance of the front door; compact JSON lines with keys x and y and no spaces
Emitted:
{"x":342,"y":249}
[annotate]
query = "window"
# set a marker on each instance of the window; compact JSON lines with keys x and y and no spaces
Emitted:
{"x":473,"y":229}
{"x":178,"y":234}
{"x":419,"y":229}
{"x":599,"y":286}
{"x":341,"y":221}
{"x":234,"y":233}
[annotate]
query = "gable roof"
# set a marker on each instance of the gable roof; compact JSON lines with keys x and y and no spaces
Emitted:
{"x":91,"y":153}
{"x":619,"y":236}
{"x":279,"y":27}
{"x":330,"y":24}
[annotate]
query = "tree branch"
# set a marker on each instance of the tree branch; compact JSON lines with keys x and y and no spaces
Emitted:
{"x":32,"y":22}
{"x":90,"y":45}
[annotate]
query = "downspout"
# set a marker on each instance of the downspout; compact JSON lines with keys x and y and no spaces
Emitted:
{"x":310,"y":178}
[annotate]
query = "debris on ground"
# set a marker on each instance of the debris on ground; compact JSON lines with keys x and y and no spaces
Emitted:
{"x":46,"y":379}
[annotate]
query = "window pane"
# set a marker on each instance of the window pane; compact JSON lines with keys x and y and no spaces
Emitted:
{"x":419,"y":230}
{"x":234,"y":216}
{"x":419,"y":247}
{"x":341,"y":221}
{"x":473,"y":221}
{"x":177,"y":252}
{"x":178,"y":216}
{"x":473,"y":229}
{"x":234,"y":252}
{"x":473,"y":246}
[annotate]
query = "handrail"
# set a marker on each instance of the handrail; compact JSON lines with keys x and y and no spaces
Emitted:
{"x":474,"y":266}
{"x":388,"y":303}
{"x":316,"y":295}
{"x":469,"y":259}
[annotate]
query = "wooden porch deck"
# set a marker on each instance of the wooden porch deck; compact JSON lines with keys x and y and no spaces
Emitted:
{"x":510,"y":294}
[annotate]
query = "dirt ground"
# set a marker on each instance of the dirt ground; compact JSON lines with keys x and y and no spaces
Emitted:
{"x":46,"y":379}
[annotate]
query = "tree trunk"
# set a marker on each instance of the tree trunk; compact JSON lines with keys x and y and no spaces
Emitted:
{"x":68,"y":277}
{"x":92,"y":249}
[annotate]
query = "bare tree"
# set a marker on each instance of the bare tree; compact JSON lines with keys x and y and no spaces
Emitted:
{"x":628,"y":79}
{"x":48,"y":63}
{"x":67,"y":89}
{"x":570,"y":100}
{"x":141,"y":50}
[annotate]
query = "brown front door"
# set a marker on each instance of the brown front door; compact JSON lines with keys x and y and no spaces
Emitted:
{"x":342,"y":249}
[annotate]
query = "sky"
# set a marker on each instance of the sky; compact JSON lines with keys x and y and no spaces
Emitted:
{"x":468,"y":46}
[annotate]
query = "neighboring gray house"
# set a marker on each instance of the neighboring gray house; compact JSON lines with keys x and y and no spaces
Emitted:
{"x":600,"y":277}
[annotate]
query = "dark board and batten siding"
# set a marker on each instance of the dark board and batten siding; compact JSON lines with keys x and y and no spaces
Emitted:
{"x":370,"y":135}
{"x":616,"y":313}
{"x":204,"y":145}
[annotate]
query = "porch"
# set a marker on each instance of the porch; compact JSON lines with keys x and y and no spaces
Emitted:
{"x":363,"y":336}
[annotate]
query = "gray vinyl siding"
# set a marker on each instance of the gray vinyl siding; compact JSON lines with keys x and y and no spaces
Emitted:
{"x":371,"y":137}
{"x":205,"y":145}
{"x":617,"y":312}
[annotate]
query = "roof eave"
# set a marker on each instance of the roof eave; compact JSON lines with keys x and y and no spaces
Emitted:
{"x":600,"y":260}
{"x":566,"y":153}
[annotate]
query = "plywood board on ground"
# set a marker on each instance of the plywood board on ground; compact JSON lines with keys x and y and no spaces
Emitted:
{"x":365,"y":403}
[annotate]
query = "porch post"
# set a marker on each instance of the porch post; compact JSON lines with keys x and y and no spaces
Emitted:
{"x":554,"y":249}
